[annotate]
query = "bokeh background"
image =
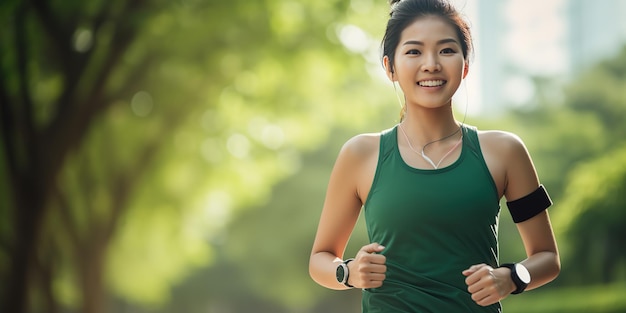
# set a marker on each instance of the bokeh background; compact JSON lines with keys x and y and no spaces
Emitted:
{"x":172,"y":155}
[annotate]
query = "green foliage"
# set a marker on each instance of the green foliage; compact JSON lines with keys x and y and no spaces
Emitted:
{"x":593,"y":298}
{"x":578,"y":145}
{"x":558,"y":138}
{"x":190,"y":111}
{"x":602,"y":91}
{"x":592,"y":216}
{"x":271,"y":244}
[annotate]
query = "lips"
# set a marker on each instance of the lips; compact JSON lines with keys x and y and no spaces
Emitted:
{"x":431,"y":83}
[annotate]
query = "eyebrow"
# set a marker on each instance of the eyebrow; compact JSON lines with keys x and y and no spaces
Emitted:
{"x":440,"y":42}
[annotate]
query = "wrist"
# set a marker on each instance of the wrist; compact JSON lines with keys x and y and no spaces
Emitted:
{"x":510,"y":283}
{"x":520,"y":277}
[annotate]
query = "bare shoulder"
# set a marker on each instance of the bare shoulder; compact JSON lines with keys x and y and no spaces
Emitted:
{"x":356,"y":165}
{"x":358,"y":154}
{"x":503,"y":142}
{"x":362,"y":146}
{"x":511,"y":164}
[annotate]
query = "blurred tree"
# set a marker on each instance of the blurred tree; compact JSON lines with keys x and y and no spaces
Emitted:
{"x":282,"y":231}
{"x":262,"y":263}
{"x":592,"y":218}
{"x":592,"y":212}
{"x":119,"y":116}
{"x":581,"y":122}
{"x":601,"y":91}
{"x":571,"y":138}
{"x":56,"y":65}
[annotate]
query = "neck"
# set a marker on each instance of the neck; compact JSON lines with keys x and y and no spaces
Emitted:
{"x":429,"y":126}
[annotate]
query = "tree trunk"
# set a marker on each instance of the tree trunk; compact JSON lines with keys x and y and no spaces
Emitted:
{"x":91,"y":276}
{"x":28,"y":211}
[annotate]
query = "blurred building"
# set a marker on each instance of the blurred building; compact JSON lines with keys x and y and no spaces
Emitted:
{"x":518,"y":39}
{"x":597,"y":30}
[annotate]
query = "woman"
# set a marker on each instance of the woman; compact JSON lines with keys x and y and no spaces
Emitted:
{"x":430,"y":188}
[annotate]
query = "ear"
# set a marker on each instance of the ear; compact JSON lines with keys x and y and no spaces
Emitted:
{"x":465,"y":69}
{"x":389,"y":69}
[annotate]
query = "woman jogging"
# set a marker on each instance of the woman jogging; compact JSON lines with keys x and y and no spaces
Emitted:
{"x":430,"y":188}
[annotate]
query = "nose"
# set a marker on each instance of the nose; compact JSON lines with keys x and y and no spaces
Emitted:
{"x":431,"y":63}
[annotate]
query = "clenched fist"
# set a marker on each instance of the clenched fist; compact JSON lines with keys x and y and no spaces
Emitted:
{"x":368,"y":268}
{"x":488,"y":285}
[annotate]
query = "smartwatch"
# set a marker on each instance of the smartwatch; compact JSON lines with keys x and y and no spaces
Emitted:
{"x":343,"y":273}
{"x":519,"y":275}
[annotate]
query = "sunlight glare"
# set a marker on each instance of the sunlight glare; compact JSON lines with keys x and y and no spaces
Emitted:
{"x":218,"y":207}
{"x":238,"y":145}
{"x":142,"y":104}
{"x":354,"y":38}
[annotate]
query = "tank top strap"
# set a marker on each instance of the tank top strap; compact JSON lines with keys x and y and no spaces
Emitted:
{"x":471,"y":134}
{"x":387,"y":142}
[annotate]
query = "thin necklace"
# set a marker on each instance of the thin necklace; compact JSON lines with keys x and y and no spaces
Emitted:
{"x":424,"y":156}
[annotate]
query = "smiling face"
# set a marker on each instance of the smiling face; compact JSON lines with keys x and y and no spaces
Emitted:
{"x":428,"y":63}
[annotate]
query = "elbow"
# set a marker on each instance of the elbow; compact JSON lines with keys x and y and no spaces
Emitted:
{"x":313,"y":269}
{"x":320,"y":271}
{"x":546,"y":268}
{"x":554,"y":269}
{"x":557,"y":266}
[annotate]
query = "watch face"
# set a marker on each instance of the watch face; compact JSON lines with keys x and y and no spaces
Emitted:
{"x":341,"y":273}
{"x":522,"y":273}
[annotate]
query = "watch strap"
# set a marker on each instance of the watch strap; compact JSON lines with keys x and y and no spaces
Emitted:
{"x":520,"y":286}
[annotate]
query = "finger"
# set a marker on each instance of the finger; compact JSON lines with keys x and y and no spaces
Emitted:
{"x":372,"y":248}
{"x":373,"y":268}
{"x":483,"y":289}
{"x":488,"y":300}
{"x":475,"y":268}
{"x":478,"y":272}
{"x":484,"y":283}
{"x":370,"y":276}
{"x":367,"y":268}
{"x":486,"y":292}
{"x":375,"y":277}
{"x":479,"y":295}
{"x":372,"y":284}
{"x":486,"y":297}
{"x":472,"y":269}
{"x":373,"y":258}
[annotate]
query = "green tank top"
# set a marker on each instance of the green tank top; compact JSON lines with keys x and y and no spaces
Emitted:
{"x":434,"y":224}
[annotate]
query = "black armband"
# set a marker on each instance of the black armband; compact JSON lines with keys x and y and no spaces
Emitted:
{"x":530,"y":205}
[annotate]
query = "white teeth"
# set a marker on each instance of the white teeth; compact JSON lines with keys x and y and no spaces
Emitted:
{"x":431,"y":83}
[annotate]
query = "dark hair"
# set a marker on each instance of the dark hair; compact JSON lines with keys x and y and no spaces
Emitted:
{"x":405,"y":12}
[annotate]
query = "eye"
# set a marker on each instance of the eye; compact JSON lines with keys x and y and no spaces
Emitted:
{"x":448,"y":51}
{"x":414,"y":52}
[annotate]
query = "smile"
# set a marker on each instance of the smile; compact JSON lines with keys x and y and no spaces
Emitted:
{"x":431,"y":83}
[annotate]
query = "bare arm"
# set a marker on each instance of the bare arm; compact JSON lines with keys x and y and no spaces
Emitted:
{"x":339,"y":215}
{"x":542,"y":260}
{"x":516,"y":177}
